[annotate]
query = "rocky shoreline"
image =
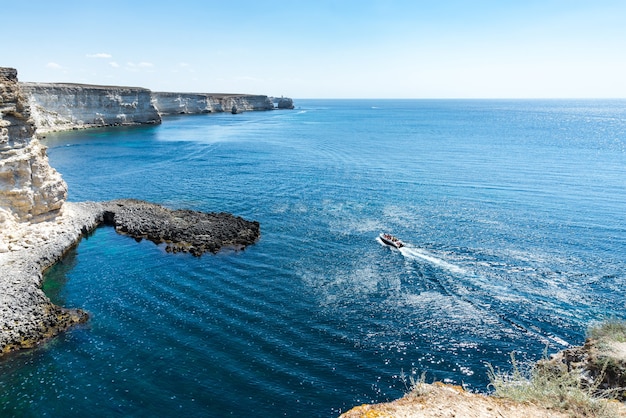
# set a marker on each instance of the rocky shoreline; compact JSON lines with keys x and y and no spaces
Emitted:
{"x":27,"y":316}
{"x":38,"y":226}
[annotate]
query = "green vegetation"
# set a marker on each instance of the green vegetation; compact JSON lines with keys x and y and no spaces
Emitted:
{"x":566,"y":389}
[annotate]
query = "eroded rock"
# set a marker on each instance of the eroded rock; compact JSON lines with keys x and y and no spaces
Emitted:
{"x":29,"y":188}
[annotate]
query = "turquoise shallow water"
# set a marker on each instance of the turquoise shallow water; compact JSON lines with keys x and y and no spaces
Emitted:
{"x":514,"y":215}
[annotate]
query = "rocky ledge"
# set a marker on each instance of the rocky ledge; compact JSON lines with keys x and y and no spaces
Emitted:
{"x":180,"y":230}
{"x":27,"y":316}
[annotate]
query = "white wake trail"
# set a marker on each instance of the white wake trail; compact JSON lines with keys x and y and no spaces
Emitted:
{"x":416,"y":253}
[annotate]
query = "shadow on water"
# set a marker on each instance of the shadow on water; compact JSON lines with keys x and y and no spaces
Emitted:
{"x":56,"y":277}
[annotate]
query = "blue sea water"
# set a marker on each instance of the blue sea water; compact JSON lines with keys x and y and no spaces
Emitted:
{"x":513,"y":212}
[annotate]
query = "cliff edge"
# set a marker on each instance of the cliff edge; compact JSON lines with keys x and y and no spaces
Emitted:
{"x":38,"y":226}
{"x":195,"y":103}
{"x":67,"y":106}
{"x":30,"y":189}
{"x":32,"y":196}
{"x":64,"y":106}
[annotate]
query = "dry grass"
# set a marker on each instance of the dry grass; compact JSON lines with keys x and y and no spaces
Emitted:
{"x":611,"y":330}
{"x":554,"y":389}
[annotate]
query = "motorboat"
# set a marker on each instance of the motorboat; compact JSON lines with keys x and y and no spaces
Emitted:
{"x":391,"y":240}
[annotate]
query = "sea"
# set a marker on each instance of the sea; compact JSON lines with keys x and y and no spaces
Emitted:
{"x":513,"y":215}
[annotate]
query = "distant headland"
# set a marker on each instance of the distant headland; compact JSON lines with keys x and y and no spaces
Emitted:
{"x":67,"y":106}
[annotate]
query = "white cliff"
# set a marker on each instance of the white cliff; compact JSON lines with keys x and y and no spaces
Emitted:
{"x":64,"y":106}
{"x":36,"y":227}
{"x":30,"y":189}
{"x":192,"y":103}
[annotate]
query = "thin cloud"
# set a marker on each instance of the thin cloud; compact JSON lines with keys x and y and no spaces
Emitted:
{"x":247,"y":78}
{"x":100,"y":55}
{"x":114,"y":64}
{"x":54,"y":66}
{"x":138,"y":66}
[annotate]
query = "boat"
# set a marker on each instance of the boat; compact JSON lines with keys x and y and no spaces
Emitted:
{"x":391,"y":240}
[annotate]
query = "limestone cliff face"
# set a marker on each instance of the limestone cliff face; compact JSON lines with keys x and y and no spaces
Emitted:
{"x":63,"y":106}
{"x":190,"y":103}
{"x":30,"y":190}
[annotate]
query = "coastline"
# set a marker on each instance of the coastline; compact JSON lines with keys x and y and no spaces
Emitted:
{"x":28,"y":248}
{"x":70,"y":106}
{"x":27,"y":316}
{"x":39,"y":226}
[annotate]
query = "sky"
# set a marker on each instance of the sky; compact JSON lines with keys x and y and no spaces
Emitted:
{"x":325,"y":48}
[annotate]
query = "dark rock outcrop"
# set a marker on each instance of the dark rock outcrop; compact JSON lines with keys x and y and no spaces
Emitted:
{"x":181,"y":230}
{"x":27,"y":316}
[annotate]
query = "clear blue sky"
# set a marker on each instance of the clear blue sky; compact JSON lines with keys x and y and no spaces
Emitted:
{"x":325,"y":48}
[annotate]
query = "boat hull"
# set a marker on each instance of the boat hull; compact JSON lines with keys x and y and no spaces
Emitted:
{"x":391,"y":241}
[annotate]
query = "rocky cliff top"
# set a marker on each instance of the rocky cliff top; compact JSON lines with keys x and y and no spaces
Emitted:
{"x":29,"y":85}
{"x":8,"y":73}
